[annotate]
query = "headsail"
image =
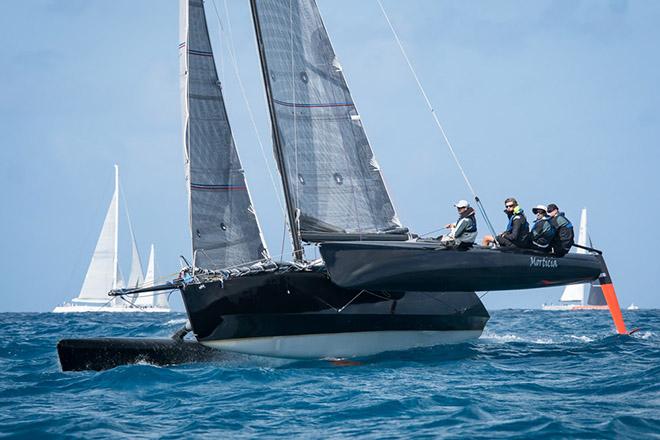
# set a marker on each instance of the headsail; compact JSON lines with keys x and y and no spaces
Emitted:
{"x":331,"y":178}
{"x":224,"y":227}
{"x":103,"y":272}
{"x":160,"y":299}
{"x":151,"y":299}
{"x":135,"y":278}
{"x":576,"y":292}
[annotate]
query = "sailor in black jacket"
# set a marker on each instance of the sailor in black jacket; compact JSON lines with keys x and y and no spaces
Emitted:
{"x":564,"y":236}
{"x":542,"y":230}
{"x":517,"y":230}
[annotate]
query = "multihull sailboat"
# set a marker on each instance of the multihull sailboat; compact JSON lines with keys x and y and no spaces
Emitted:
{"x":584,"y":296}
{"x":104,"y":275}
{"x":377,"y":287}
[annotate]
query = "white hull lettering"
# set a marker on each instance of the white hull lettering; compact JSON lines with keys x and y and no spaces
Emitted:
{"x":545,"y":262}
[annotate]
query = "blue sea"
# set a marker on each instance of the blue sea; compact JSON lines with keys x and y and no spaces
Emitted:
{"x":533,"y":374}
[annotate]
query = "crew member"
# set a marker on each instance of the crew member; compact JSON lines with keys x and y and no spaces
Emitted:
{"x":464,"y":231}
{"x":517,"y":230}
{"x":564,"y":235}
{"x":542,"y":230}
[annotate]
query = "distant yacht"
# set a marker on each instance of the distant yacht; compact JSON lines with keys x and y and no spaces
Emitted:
{"x":586,"y":296}
{"x":633,"y":307}
{"x":104,"y":275}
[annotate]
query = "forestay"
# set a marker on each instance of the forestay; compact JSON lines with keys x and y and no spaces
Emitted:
{"x":332,"y":178}
{"x":223,"y":223}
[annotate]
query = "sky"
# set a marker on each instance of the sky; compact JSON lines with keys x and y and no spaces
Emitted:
{"x":548,"y":101}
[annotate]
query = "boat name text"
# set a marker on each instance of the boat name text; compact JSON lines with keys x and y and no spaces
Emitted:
{"x":543,"y":262}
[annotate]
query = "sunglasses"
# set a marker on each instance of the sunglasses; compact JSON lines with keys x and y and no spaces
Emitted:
{"x":509,"y":206}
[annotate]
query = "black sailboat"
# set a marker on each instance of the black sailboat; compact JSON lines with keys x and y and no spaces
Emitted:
{"x":377,"y":287}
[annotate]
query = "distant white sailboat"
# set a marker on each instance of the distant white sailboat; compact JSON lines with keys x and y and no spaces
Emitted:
{"x":153,"y":301}
{"x":633,"y":306}
{"x":586,"y":296}
{"x":104,"y":275}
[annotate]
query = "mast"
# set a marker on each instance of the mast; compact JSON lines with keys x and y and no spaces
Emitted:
{"x":115,"y":263}
{"x":277,"y":141}
{"x":183,"y":84}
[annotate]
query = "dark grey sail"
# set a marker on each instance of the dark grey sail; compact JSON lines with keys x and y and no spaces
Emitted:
{"x":331,"y":179}
{"x":224,"y":227}
{"x":596,"y":297}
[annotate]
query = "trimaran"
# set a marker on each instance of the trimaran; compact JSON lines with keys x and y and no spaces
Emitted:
{"x":377,"y":287}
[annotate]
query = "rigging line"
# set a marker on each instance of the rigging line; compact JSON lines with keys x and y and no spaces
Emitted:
{"x":234,"y":62}
{"x":283,"y":235}
{"x":435,"y":116}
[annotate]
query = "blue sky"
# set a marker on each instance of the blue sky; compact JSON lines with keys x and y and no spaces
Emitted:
{"x":548,"y":101}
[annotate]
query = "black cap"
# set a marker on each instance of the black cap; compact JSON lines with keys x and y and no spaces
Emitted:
{"x":552,"y":207}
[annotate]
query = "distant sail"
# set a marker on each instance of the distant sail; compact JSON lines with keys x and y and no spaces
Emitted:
{"x":148,"y":299}
{"x":223,"y":223}
{"x":330,"y":171}
{"x":576,"y":292}
{"x":135,"y":278}
{"x":103,"y":272}
{"x":159,"y":299}
{"x":596,"y":297}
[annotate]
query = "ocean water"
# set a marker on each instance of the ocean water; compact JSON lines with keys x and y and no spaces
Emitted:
{"x":533,"y":374}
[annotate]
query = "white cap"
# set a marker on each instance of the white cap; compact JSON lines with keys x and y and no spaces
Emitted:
{"x":462,"y":204}
{"x":540,"y":208}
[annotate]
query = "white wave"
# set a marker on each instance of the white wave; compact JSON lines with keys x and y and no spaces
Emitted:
{"x":502,"y":338}
{"x":176,"y":321}
{"x":509,"y":337}
{"x":582,"y":338}
{"x":644,"y":335}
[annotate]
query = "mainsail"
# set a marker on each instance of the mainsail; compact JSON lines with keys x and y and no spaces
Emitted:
{"x":224,"y":227}
{"x":103,"y":272}
{"x":330,"y":176}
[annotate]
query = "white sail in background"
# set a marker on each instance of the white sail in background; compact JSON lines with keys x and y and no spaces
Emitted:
{"x":157,"y":300}
{"x":147,"y":298}
{"x":102,"y":274}
{"x":135,"y":279}
{"x":576,"y":292}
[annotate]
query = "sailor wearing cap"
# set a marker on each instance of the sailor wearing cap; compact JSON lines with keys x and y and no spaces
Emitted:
{"x":464,"y":231}
{"x":542,"y":230}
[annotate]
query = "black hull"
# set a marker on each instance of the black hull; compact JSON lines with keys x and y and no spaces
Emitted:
{"x":105,"y":353}
{"x":269,"y":306}
{"x":425,"y":266}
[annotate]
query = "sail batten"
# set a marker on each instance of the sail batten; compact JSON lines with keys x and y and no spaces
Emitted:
{"x":329,"y":172}
{"x":224,"y":227}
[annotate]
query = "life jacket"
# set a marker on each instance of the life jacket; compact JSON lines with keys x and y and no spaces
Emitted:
{"x":518,"y":212}
{"x":565,"y":236}
{"x":471,"y":217}
{"x":543,"y":232}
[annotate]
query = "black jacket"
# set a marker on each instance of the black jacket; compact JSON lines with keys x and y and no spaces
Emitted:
{"x":543,"y":233}
{"x":564,"y":237}
{"x":517,"y":231}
